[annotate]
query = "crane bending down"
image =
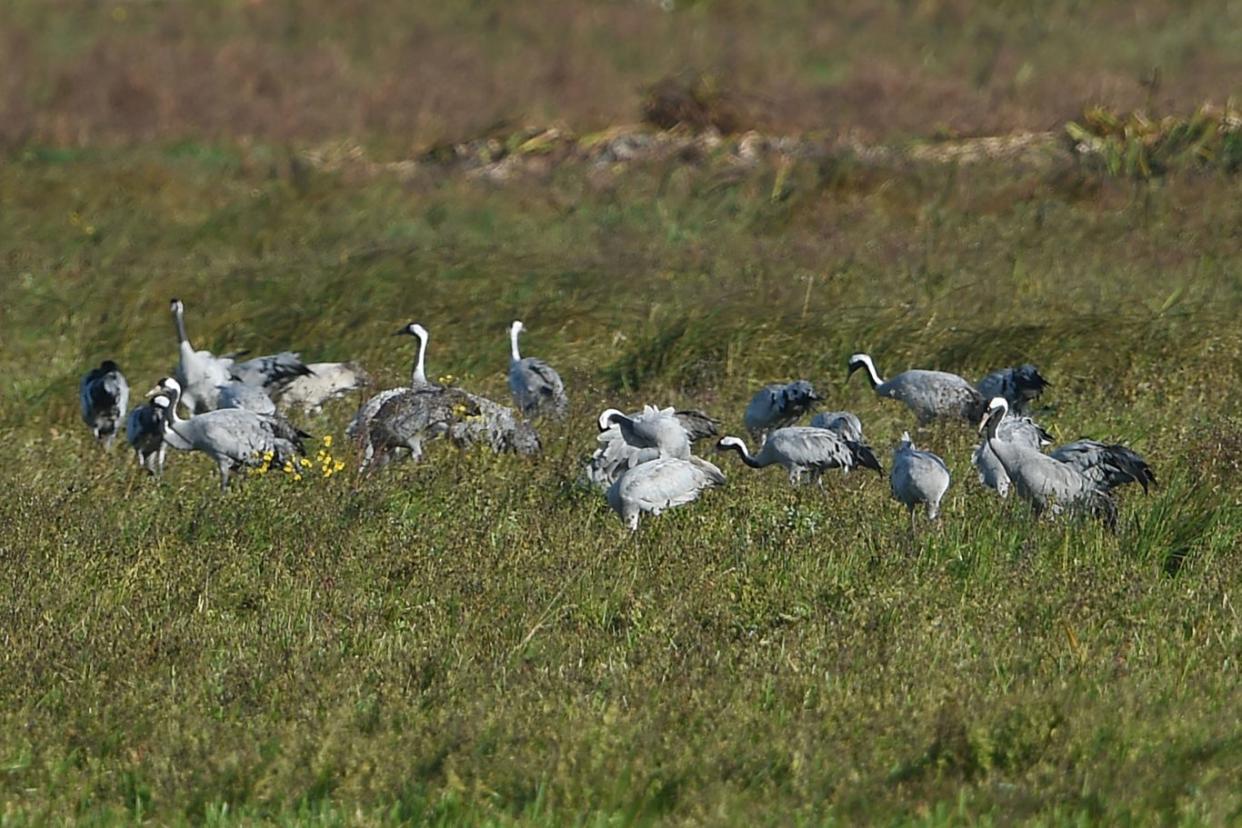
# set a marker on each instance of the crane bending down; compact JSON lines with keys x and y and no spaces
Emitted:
{"x":234,"y":438}
{"x":660,"y":484}
{"x":800,"y":449}
{"x":929,"y":394}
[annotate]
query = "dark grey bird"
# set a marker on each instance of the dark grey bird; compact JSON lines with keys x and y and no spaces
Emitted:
{"x":777,"y":406}
{"x":844,"y":423}
{"x":1048,"y":484}
{"x":929,"y":394}
{"x":536,"y":386}
{"x":1021,"y":430}
{"x":104,"y":397}
{"x":660,"y":484}
{"x":359,"y":428}
{"x":801,"y":449}
{"x":918,"y":477}
{"x":1020,"y":386}
{"x":144,"y":430}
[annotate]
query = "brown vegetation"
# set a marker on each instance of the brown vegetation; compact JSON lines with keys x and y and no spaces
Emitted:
{"x":412,"y":74}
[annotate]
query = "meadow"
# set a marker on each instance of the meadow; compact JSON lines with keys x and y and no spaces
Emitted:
{"x":476,"y":639}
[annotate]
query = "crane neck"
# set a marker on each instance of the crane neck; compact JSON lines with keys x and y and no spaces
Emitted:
{"x":745,"y":454}
{"x":513,"y":344}
{"x":872,"y":374}
{"x":179,"y":322}
{"x":419,"y":374}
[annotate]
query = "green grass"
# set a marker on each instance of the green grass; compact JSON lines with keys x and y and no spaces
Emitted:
{"x":476,"y":640}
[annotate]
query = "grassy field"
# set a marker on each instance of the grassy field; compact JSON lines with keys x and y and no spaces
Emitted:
{"x":476,"y":639}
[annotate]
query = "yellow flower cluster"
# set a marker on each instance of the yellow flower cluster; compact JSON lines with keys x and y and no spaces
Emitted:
{"x":265,"y":463}
{"x":328,"y":465}
{"x":297,"y":469}
{"x":447,"y":379}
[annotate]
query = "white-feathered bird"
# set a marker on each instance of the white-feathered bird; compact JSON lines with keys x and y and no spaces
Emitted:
{"x":614,"y":456}
{"x":660,"y":484}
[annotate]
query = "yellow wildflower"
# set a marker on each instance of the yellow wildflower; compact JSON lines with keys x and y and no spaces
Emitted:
{"x":327,"y":441}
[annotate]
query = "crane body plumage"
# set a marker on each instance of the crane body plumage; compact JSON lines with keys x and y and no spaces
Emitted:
{"x":1045,"y":482}
{"x":1021,"y":430}
{"x":233,"y":438}
{"x":660,"y":484}
{"x":918,"y":477}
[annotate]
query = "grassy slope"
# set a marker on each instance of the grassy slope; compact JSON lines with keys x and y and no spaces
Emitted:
{"x":475,"y":638}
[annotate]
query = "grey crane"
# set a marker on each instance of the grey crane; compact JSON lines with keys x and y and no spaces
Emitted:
{"x":660,"y":484}
{"x":1021,"y":430}
{"x":778,"y":405}
{"x":1020,"y":386}
{"x":1048,"y":484}
{"x":104,"y":395}
{"x":800,"y":449}
{"x":918,"y":477}
{"x":615,"y":456}
{"x":326,"y":381}
{"x":929,"y":394}
{"x":234,"y":438}
{"x":359,"y":428}
{"x":844,"y":423}
{"x":536,"y":387}
{"x":201,"y":373}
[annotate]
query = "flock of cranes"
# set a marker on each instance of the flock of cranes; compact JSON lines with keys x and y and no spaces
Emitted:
{"x":643,"y":462}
